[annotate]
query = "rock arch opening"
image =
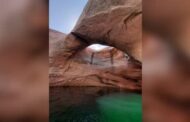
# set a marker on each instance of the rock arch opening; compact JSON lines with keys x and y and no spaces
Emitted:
{"x":98,"y":54}
{"x":97,"y":47}
{"x":76,"y":63}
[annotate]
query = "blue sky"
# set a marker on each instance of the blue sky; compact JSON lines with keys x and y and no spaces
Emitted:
{"x":63,"y":14}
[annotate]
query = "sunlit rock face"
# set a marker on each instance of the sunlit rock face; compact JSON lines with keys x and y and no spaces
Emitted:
{"x":76,"y":64}
{"x":112,"y":22}
{"x":54,"y":40}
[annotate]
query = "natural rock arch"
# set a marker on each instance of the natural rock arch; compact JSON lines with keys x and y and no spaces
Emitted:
{"x":109,"y":22}
{"x":115,"y":23}
{"x":71,"y":66}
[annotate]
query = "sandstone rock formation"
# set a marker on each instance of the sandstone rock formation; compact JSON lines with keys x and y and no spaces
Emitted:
{"x":116,"y":23}
{"x":112,"y":22}
{"x":86,"y":67}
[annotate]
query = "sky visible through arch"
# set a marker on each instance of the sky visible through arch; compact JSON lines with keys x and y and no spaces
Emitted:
{"x":63,"y":14}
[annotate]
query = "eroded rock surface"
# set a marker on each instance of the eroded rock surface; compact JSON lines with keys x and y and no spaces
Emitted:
{"x":112,"y":22}
{"x":74,"y":64}
{"x":116,"y":23}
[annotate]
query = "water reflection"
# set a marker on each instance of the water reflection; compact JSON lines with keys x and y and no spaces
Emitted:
{"x":94,"y":104}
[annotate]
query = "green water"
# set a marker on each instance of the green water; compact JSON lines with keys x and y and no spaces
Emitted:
{"x":121,"y":107}
{"x":91,"y":104}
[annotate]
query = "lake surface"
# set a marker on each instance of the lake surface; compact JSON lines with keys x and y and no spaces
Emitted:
{"x":94,"y":104}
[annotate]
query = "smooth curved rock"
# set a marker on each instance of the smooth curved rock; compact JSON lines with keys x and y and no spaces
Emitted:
{"x":115,"y":23}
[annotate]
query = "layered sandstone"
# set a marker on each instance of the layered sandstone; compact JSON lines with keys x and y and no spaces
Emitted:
{"x":86,"y":67}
